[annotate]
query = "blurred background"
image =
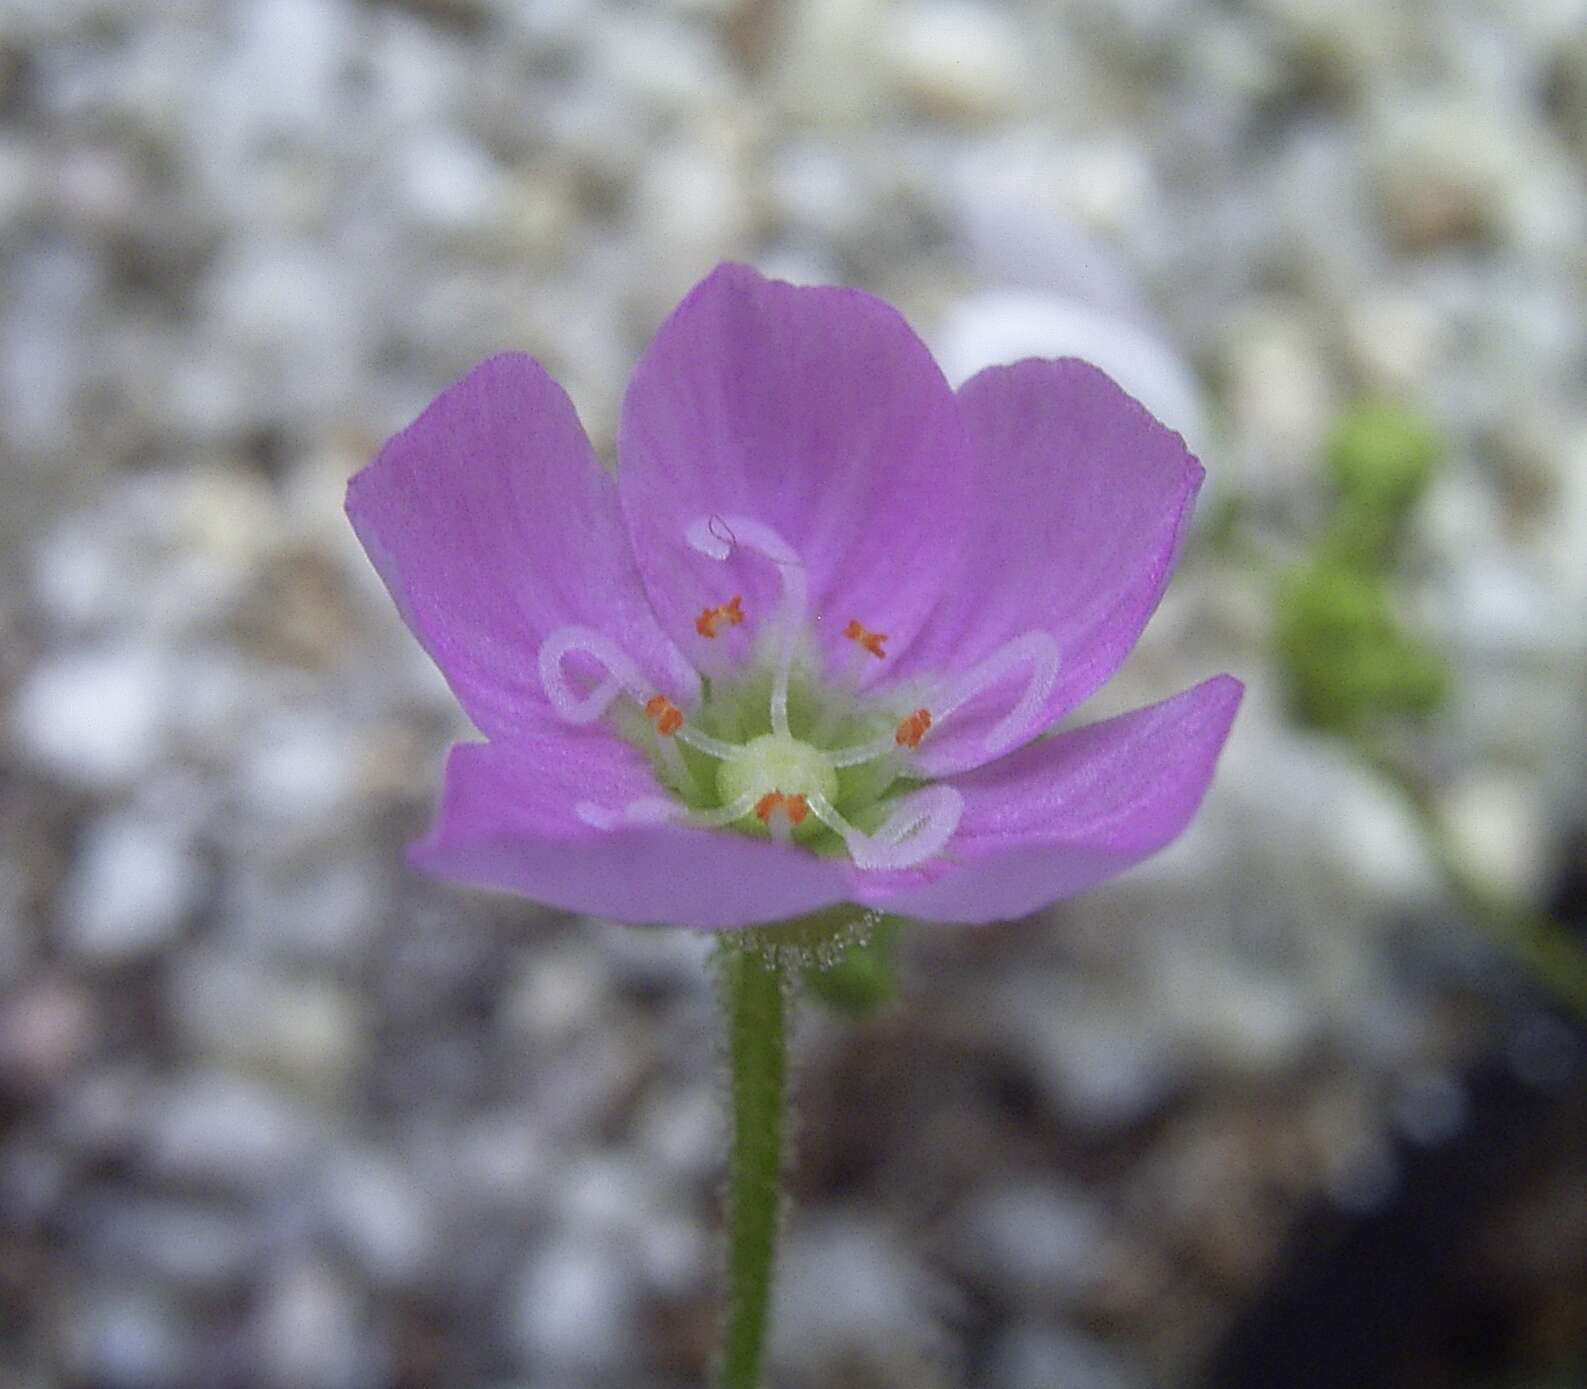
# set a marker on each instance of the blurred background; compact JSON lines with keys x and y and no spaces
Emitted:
{"x":1279,"y":1108}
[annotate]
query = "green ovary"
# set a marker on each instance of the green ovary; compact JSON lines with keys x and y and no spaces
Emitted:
{"x":775,"y":762}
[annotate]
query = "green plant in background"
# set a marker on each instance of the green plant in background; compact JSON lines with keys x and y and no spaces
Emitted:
{"x":1346,"y":656}
{"x":1354,"y":667}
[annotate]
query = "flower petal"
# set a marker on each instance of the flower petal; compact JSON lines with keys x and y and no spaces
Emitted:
{"x":509,"y":819}
{"x":816,"y":411}
{"x":1067,"y":812}
{"x":493,"y":523}
{"x":1082,"y":502}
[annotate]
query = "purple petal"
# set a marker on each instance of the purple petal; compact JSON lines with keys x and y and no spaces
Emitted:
{"x":509,"y":820}
{"x":492,"y":523}
{"x":1064,"y":813}
{"x":816,"y":411}
{"x":1081,"y":504}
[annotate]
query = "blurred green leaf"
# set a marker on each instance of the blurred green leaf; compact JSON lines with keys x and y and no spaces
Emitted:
{"x":1343,"y":653}
{"x":864,"y":977}
{"x":1383,"y":457}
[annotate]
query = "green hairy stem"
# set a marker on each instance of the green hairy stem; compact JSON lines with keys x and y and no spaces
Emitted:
{"x":755,"y":1005}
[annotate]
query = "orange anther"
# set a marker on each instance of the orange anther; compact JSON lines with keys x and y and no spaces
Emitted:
{"x":911,"y":730}
{"x":871,"y":641}
{"x":730,"y":612}
{"x":794,"y":807}
{"x":666,"y":715}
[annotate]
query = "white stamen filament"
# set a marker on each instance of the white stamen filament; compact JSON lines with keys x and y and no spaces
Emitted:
{"x":646,"y":810}
{"x":1035,"y":649}
{"x":780,"y":823}
{"x":672,"y":760}
{"x":918,"y":828}
{"x":879,"y":746}
{"x":622,"y":675}
{"x":711,"y":747}
{"x":717,"y":537}
{"x":735,"y":809}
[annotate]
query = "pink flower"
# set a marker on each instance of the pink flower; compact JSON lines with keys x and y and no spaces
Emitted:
{"x":804,"y":648}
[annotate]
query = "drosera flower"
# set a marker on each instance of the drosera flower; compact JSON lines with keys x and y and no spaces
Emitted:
{"x":808,"y":646}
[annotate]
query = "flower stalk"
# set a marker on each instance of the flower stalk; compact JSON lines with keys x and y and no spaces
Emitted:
{"x":755,"y":985}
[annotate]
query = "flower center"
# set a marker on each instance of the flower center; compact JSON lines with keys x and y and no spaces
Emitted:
{"x":779,"y":775}
{"x":781,"y":746}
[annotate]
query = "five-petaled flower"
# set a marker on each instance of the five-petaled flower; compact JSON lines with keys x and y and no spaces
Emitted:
{"x":805,"y":648}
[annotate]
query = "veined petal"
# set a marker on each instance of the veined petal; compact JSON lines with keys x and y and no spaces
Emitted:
{"x":816,"y":412}
{"x":510,"y":818}
{"x":1082,"y":501}
{"x":1067,"y":812}
{"x":492,"y":523}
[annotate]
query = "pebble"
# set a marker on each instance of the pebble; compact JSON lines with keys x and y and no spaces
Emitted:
{"x":842,"y":1275}
{"x":573,"y":1309}
{"x":1095,"y":1060}
{"x":1032,"y":1241}
{"x":192,"y":1248}
{"x":449,"y":183}
{"x":280,"y":76}
{"x":314,"y":1330}
{"x":42,"y":374}
{"x":826,"y":74}
{"x":308,"y":1031}
{"x":299,"y":773}
{"x":48,"y":1027}
{"x":126,"y":1335}
{"x":1235,"y":1018}
{"x":683,"y":1131}
{"x":94,"y":716}
{"x":1432,"y":1108}
{"x":691,"y":199}
{"x":957,"y":59}
{"x":218,"y":1131}
{"x":131,"y":890}
{"x":1281,"y":391}
{"x":1501,"y":831}
{"x":1030,"y":1355}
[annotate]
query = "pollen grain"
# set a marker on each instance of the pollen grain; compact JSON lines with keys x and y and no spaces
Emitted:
{"x":912,"y":729}
{"x":664,"y":714}
{"x":871,"y":641}
{"x":794,"y":807}
{"x":711,"y":619}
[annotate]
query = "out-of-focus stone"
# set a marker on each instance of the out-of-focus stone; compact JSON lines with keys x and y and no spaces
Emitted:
{"x":126,"y":1335}
{"x":841,"y":1276}
{"x":94,"y":716}
{"x":307,"y":1031}
{"x":956,"y":59}
{"x":573,"y":1309}
{"x":380,"y":1215}
{"x":1501,"y":830}
{"x":47,"y":1028}
{"x":1032,"y":1242}
{"x":1033,"y":1356}
{"x":314,"y":1330}
{"x":216,"y":1131}
{"x":131,"y":890}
